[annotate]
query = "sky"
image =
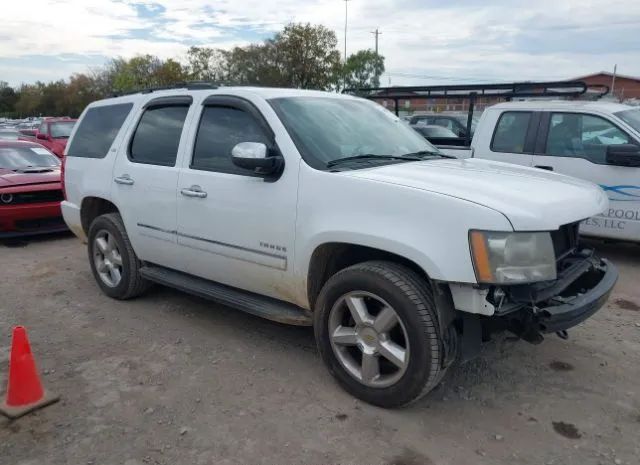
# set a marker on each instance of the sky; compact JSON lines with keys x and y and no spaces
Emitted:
{"x":424,"y":41}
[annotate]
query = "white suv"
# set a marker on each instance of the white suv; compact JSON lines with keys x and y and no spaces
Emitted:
{"x":315,"y":208}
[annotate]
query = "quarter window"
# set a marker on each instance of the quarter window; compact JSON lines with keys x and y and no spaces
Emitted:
{"x":156,"y":139}
{"x":511,"y":132}
{"x":220,"y":129}
{"x":97,"y":130}
{"x":582,"y":136}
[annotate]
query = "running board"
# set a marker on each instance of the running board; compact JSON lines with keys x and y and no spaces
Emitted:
{"x":265,"y":307}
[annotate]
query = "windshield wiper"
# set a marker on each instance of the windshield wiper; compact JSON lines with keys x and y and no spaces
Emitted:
{"x":369,"y":156}
{"x":422,"y":154}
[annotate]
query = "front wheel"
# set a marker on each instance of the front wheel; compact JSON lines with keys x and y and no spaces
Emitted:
{"x":377,"y":331}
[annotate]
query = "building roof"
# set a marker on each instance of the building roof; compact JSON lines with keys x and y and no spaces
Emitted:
{"x":606,"y":73}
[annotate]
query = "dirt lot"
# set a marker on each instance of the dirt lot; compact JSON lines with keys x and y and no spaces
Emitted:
{"x":172,"y":379}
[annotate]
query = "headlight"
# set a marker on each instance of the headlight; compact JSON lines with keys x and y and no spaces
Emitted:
{"x":512,"y":257}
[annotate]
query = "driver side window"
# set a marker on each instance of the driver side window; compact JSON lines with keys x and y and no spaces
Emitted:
{"x":220,"y":129}
{"x":582,"y":136}
{"x":44,"y":128}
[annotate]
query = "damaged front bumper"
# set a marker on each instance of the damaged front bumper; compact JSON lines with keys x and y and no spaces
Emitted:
{"x":583,"y":286}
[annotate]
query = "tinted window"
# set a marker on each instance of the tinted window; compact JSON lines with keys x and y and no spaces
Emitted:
{"x":582,"y":136}
{"x":97,"y":130}
{"x":511,"y":132}
{"x":157,"y":136}
{"x":221,"y":128}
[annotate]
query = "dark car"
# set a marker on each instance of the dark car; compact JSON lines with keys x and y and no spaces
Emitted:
{"x":434,"y":132}
{"x":30,"y":190}
{"x":456,"y":123}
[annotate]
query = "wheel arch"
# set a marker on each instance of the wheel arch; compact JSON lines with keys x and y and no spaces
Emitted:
{"x":92,"y":207}
{"x":330,"y":257}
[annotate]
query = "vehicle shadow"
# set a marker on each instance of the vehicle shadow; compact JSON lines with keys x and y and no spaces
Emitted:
{"x":26,"y":240}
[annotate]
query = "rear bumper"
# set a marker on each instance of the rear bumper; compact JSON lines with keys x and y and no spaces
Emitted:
{"x":571,"y":311}
{"x":30,"y":219}
{"x":71,"y":215}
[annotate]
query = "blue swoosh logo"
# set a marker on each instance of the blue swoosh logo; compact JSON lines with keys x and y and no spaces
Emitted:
{"x":623,"y":190}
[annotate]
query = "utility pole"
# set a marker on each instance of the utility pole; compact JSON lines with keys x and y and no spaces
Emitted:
{"x":346,"y":7}
{"x":376,"y":33}
{"x":613,"y":81}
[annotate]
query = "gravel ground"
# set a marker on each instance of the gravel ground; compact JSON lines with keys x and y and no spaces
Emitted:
{"x":172,"y":379}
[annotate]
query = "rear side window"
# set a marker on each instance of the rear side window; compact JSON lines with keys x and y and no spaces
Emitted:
{"x":97,"y":130}
{"x":221,"y":128}
{"x":157,"y":137}
{"x":511,"y":132}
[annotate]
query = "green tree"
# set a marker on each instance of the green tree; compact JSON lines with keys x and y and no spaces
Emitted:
{"x":363,"y":69}
{"x":8,"y":98}
{"x":308,"y":56}
{"x":206,"y":64}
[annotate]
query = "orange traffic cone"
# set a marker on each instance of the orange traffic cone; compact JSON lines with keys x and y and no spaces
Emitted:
{"x":24,"y":393}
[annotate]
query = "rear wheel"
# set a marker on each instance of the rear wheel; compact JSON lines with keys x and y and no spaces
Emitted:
{"x":376,"y":328}
{"x":114,"y":264}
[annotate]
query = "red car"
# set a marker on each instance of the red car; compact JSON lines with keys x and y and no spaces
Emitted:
{"x":30,"y":190}
{"x":53,"y":133}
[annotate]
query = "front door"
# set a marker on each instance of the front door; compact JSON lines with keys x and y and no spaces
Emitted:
{"x":145,"y":179}
{"x":233,"y":227}
{"x":576,"y":144}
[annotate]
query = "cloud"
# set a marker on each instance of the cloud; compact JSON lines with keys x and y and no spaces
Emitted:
{"x":424,"y":41}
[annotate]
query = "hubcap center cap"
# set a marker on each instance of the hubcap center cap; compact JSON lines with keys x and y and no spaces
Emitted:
{"x":369,"y":337}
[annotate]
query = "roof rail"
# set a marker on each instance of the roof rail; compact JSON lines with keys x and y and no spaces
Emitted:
{"x":189,"y":85}
{"x":508,"y":90}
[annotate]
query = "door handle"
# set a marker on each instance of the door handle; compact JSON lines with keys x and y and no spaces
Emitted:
{"x":194,"y":191}
{"x":124,"y":179}
{"x":545,"y":167}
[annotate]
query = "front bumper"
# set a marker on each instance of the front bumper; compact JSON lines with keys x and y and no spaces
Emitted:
{"x":583,"y":286}
{"x":565,"y":313}
{"x":30,"y":219}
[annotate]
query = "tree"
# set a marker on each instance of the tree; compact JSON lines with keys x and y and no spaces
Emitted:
{"x":308,"y":55}
{"x":8,"y":98}
{"x":363,"y":69}
{"x":206,"y":64}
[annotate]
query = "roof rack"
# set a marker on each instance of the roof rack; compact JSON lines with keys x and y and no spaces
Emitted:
{"x":189,"y":85}
{"x":508,"y":90}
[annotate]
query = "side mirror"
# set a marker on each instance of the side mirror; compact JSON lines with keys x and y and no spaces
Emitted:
{"x":255,"y":156}
{"x":41,"y":136}
{"x":623,"y":155}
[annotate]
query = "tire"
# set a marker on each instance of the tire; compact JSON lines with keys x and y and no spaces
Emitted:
{"x":110,"y":229}
{"x":377,"y":284}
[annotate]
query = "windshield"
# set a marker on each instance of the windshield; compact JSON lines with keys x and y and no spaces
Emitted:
{"x":631,"y":117}
{"x":62,"y":129}
{"x":15,"y":158}
{"x":325,"y":129}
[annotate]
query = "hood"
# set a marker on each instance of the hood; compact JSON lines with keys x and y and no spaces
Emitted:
{"x":532,"y":199}
{"x":10,"y":178}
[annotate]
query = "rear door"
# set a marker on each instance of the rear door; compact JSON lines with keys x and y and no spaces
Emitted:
{"x":507,"y":136}
{"x":145,"y":178}
{"x":575,"y":144}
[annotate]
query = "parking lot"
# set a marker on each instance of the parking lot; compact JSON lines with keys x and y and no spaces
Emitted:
{"x":169,"y":378}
